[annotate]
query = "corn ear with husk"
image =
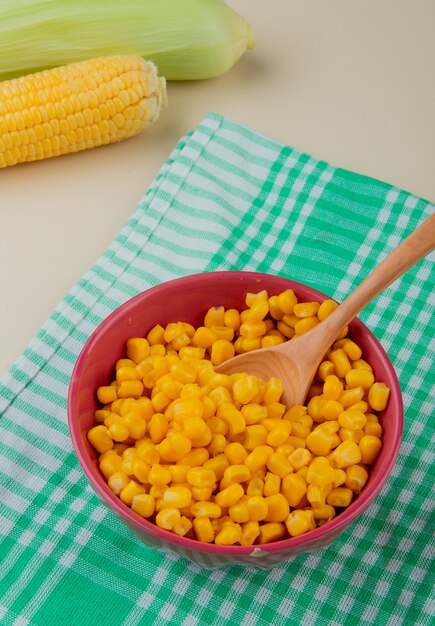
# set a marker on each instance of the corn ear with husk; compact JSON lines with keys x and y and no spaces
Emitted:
{"x":185,"y":39}
{"x":78,"y":106}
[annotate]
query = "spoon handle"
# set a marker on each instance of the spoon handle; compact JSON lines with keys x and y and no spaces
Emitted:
{"x":408,"y":253}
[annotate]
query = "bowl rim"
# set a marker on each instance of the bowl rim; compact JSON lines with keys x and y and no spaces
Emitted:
{"x":317,"y":536}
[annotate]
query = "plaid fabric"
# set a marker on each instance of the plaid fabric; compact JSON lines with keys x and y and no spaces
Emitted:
{"x":227,"y":198}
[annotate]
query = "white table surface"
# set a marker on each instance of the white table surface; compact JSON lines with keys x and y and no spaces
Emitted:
{"x":347,"y":81}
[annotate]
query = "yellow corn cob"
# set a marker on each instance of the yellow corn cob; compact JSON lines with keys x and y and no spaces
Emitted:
{"x":77,"y":106}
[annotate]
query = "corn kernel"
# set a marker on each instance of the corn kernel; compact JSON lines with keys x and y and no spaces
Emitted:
{"x":202,"y":493}
{"x":351,"y":396}
{"x":255,"y":435}
{"x":143,"y":504}
{"x":250,"y":532}
{"x":296,"y":442}
{"x":232,"y":417}
{"x":315,"y":406}
{"x":270,"y":532}
{"x":138,"y":349}
{"x":359,"y":378}
{"x":130,"y":389}
{"x":326,"y":308}
{"x":272,"y":484}
{"x":257,"y":508}
{"x":316,"y":496}
{"x":275,"y":310}
{"x":319,"y":442}
{"x":178,"y":473}
{"x":235,"y":453}
{"x":287,"y":301}
{"x":369,"y":447}
{"x":230,"y":495}
{"x":324,"y":513}
{"x":142,"y":407}
{"x":306,"y":324}
{"x":253,"y":413}
{"x":339,"y":477}
{"x":136,"y":425}
{"x":206,"y":509}
{"x":255,"y":486}
{"x":239,"y":512}
{"x":331,"y":409}
{"x":147,"y":451}
{"x":235,"y":474}
{"x":332,"y":387}
{"x":356,"y":477}
{"x":215,"y":316}
{"x":245,"y":388}
{"x":107,"y":394}
{"x":203,"y":529}
{"x":100,"y":438}
{"x":258,"y":458}
{"x":341,"y":362}
{"x":109,"y":463}
{"x":229,"y":535}
{"x":299,"y":458}
{"x":279,"y":465}
{"x":158,"y":427}
{"x":217,"y":444}
{"x":232,"y":319}
{"x":362,"y":406}
{"x":117,"y":481}
{"x":326,"y":368}
{"x":131,"y":489}
{"x":195,"y":458}
{"x":373,"y":428}
{"x":295,"y":413}
{"x":361,"y":364}
{"x":347,"y":453}
{"x":217,"y":464}
{"x":378,"y":396}
{"x":177,"y":497}
{"x":141,"y":470}
{"x":299,"y":522}
{"x":352,"y":350}
{"x":285,"y":329}
{"x":201,"y":477}
{"x":159,"y":475}
{"x":271,"y":340}
{"x":306,"y":309}
{"x":220,"y":380}
{"x":352,"y":420}
{"x":182,"y":527}
{"x":155,"y":335}
{"x":320,"y":472}
{"x":221,"y":350}
{"x":167,"y":518}
{"x":118,"y":431}
{"x":126,"y":373}
{"x":339,"y":497}
{"x":156,"y":491}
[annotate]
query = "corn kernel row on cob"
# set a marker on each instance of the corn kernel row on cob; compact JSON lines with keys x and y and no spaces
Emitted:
{"x":77,"y":106}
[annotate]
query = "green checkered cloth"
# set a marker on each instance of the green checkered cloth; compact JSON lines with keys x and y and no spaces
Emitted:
{"x":226,"y":199}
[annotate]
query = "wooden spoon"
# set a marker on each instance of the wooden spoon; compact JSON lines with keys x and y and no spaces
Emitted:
{"x":296,"y":361}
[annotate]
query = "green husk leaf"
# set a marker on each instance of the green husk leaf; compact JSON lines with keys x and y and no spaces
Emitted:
{"x":188,"y":39}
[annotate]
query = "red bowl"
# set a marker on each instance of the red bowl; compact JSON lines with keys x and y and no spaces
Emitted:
{"x":187,"y":299}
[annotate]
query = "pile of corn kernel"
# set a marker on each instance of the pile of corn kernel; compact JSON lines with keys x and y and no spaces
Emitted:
{"x":219,"y":458}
